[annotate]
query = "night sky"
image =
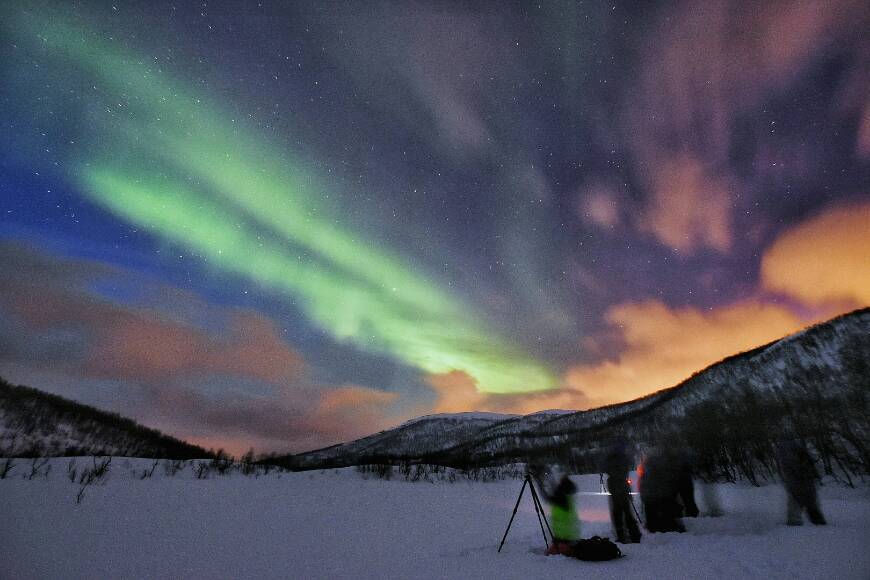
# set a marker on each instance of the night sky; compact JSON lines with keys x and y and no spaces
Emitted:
{"x":288,"y":224}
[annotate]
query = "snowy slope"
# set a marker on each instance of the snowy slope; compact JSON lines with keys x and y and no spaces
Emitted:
{"x":423,"y":436}
{"x":442,"y":431}
{"x":313,"y":525}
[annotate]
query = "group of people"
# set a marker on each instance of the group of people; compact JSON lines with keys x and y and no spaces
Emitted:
{"x":667,"y":492}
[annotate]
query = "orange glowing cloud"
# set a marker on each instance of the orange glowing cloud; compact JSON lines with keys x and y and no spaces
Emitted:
{"x":256,"y":350}
{"x":351,"y":411}
{"x":665,"y":346}
{"x":300,"y":418}
{"x":565,"y":398}
{"x":456,"y":392}
{"x":823,"y":260}
{"x":142,"y":344}
{"x":145,"y":347}
{"x":690,"y":207}
{"x":354,"y":398}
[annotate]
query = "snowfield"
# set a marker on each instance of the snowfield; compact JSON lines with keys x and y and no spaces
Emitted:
{"x":335,"y":524}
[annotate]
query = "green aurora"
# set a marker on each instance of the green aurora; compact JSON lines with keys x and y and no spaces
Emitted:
{"x":160,"y":156}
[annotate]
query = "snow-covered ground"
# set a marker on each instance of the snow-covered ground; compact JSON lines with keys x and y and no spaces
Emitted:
{"x":336,"y":524}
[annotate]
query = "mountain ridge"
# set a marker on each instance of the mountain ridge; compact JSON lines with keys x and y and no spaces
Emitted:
{"x":800,"y":360}
{"x":833,"y":351}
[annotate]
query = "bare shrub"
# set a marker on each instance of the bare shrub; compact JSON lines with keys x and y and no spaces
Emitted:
{"x":248,"y":465}
{"x":92,"y":475}
{"x":6,"y":467}
{"x":432,"y":472}
{"x":39,"y":466}
{"x":379,"y":470}
{"x":202,"y":470}
{"x":222,"y":462}
{"x":171,"y":467}
{"x":102,"y":468}
{"x":147,"y":473}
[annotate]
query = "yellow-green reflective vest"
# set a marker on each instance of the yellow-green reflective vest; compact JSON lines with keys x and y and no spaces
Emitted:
{"x":566,"y":524}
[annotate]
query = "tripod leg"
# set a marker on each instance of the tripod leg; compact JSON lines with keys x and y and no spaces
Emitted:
{"x":631,"y":499}
{"x":540,"y":508}
{"x":539,"y":511}
{"x":513,"y":514}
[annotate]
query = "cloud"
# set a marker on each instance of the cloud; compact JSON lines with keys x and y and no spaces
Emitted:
{"x":705,"y":68}
{"x":355,"y":398}
{"x":235,"y":387}
{"x":863,"y":144}
{"x":689,"y":207}
{"x":117,"y":341}
{"x":599,"y":205}
{"x":424,"y":68}
{"x":821,"y":267}
{"x":354,"y":411}
{"x":663,"y":346}
{"x":825,"y":259}
{"x":143,"y":347}
{"x":299,"y":419}
{"x":455,"y":392}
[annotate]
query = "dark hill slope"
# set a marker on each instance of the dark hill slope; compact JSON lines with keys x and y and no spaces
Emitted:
{"x":34,"y":423}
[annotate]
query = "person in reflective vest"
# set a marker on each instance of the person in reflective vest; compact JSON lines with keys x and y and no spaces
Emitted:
{"x":563,"y":511}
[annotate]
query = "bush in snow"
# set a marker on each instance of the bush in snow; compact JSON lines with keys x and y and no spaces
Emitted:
{"x":249,"y":467}
{"x":202,"y":470}
{"x":6,"y":467}
{"x":39,"y":466}
{"x":147,"y":473}
{"x":172,"y":466}
{"x":222,"y":462}
{"x":92,"y":475}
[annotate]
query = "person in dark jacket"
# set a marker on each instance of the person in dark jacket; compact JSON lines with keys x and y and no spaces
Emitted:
{"x":659,"y":485}
{"x":685,"y":484}
{"x":616,"y":465}
{"x":559,"y":492}
{"x":799,"y":479}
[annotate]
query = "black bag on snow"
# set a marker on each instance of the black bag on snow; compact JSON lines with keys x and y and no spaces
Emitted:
{"x":596,"y":549}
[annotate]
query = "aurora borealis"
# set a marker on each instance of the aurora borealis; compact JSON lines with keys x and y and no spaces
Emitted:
{"x":399,"y":209}
{"x":226,"y":178}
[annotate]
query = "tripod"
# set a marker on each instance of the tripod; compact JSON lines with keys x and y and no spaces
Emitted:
{"x":539,"y":511}
{"x":631,"y":499}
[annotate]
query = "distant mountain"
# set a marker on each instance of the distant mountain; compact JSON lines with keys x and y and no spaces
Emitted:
{"x":34,"y":423}
{"x":813,"y":384}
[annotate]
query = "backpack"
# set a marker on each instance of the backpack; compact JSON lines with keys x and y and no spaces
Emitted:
{"x":596,"y":549}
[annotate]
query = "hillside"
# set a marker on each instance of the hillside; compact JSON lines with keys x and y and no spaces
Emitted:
{"x":33,"y":423}
{"x":813,"y":384}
